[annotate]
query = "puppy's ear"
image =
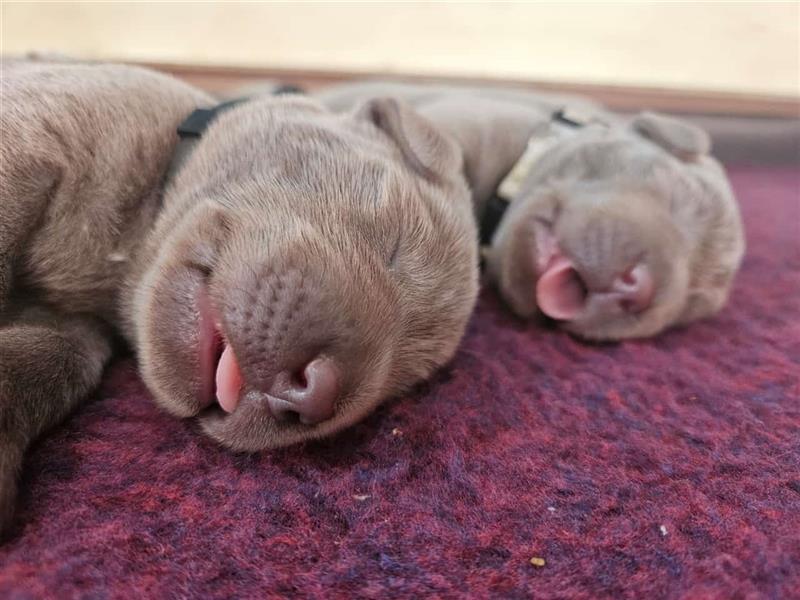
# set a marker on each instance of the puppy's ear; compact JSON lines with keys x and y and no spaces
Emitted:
{"x":428,"y":151}
{"x":677,"y":137}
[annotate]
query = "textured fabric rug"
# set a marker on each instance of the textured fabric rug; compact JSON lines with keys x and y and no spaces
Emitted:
{"x":667,"y":468}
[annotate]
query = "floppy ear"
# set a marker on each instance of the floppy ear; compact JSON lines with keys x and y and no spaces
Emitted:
{"x":677,"y":137}
{"x":428,"y":151}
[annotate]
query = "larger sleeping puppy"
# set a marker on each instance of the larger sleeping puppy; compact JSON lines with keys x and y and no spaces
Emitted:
{"x":298,"y":268}
{"x":617,"y":228}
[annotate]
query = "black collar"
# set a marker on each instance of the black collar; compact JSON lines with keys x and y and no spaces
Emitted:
{"x":198,"y":121}
{"x":194,"y":126}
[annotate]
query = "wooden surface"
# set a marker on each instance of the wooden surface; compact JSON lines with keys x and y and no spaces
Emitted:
{"x":623,"y":98}
{"x":745,"y":128}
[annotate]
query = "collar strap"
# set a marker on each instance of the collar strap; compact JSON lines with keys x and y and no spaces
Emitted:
{"x":572,"y":117}
{"x":194,"y":126}
{"x":198,"y":121}
{"x":493,"y":213}
{"x":510,"y":185}
{"x":192,"y":129}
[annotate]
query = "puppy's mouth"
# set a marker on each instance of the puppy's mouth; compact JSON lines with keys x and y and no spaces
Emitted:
{"x":220,"y":376}
{"x":560,"y":291}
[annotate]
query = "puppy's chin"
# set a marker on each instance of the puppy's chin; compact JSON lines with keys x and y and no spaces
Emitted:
{"x":251,"y":428}
{"x":512,"y":262}
{"x":174,"y":341}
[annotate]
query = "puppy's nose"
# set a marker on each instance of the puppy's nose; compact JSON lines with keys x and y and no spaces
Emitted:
{"x":634,"y":289}
{"x":308,"y":394}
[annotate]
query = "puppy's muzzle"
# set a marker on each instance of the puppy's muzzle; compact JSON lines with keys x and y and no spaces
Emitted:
{"x":280,"y":350}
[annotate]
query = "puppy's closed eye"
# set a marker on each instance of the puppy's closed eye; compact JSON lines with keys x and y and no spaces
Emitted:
{"x":395,"y":252}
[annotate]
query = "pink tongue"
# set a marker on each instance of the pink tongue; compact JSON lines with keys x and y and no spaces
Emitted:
{"x":560,"y":293}
{"x":229,"y":380}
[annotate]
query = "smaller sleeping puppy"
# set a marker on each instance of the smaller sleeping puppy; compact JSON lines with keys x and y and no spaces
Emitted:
{"x":617,"y":228}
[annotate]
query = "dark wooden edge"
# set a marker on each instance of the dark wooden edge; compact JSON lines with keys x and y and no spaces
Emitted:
{"x":622,"y":98}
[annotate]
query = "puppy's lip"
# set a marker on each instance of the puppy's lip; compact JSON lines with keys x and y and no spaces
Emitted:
{"x":559,"y":293}
{"x":219,"y":372}
{"x":210,"y":347}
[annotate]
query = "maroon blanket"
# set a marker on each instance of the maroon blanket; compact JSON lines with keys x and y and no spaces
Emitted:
{"x":660,"y":468}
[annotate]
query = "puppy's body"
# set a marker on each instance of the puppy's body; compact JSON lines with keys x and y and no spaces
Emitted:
{"x":82,"y":160}
{"x":83,"y":156}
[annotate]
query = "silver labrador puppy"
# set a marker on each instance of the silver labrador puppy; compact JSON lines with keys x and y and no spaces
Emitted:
{"x":299,"y":268}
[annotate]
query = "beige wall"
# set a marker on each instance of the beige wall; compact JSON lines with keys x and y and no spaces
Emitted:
{"x":746,"y":47}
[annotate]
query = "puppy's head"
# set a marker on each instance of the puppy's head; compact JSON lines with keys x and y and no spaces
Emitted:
{"x":619,"y":232}
{"x":308,"y":266}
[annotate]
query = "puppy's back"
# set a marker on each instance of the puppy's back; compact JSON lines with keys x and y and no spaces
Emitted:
{"x":83,"y":152}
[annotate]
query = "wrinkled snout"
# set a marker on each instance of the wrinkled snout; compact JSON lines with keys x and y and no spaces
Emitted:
{"x":282,"y":340}
{"x":597,"y":262}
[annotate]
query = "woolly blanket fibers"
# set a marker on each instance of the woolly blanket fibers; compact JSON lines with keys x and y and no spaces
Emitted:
{"x":666,"y":468}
